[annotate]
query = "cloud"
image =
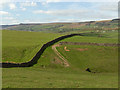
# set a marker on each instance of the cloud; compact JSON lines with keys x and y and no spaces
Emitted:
{"x":12,"y":6}
{"x":33,"y":21}
{"x":53,"y":1}
{"x":108,"y":7}
{"x":64,"y":20}
{"x":27,"y":4}
{"x":27,"y":21}
{"x":4,"y":13}
{"x":4,"y":1}
{"x":77,"y":15}
{"x":17,"y":14}
{"x":82,"y":1}
{"x":15,"y":21}
{"x":33,"y":4}
{"x":8,"y":18}
{"x":44,"y":3}
{"x":101,"y":15}
{"x":67,"y":12}
{"x":83,"y":14}
{"x":23,"y":9}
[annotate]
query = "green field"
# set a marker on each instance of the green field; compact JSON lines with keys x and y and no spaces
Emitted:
{"x":97,"y":58}
{"x":21,"y":46}
{"x":56,"y":78}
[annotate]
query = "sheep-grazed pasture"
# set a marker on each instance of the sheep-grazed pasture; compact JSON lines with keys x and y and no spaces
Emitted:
{"x":21,"y":46}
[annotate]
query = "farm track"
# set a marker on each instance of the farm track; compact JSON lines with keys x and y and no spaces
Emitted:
{"x":59,"y":55}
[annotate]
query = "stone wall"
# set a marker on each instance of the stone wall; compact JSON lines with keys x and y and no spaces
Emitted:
{"x":85,"y":43}
{"x":38,"y":54}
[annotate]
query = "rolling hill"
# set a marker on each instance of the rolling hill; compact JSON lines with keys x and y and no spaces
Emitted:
{"x":65,"y":27}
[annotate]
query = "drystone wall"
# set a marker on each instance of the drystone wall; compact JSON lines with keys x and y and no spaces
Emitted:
{"x":38,"y":54}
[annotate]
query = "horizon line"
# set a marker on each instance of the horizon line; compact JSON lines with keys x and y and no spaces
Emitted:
{"x":58,"y":22}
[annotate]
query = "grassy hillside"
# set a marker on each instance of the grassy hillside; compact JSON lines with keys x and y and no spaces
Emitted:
{"x":97,"y":58}
{"x":21,"y":46}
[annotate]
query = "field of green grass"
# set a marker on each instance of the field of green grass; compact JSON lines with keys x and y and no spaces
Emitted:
{"x":97,"y":58}
{"x":21,"y":46}
{"x":107,"y":37}
{"x":56,"y":78}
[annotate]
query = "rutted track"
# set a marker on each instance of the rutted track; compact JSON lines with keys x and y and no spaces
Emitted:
{"x":66,"y":64}
{"x":39,"y":53}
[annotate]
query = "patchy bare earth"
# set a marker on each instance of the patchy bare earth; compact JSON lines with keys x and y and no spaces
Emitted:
{"x":65,"y":62}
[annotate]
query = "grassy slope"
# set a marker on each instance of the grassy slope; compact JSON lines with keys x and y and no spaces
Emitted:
{"x":21,"y":46}
{"x":97,"y":58}
{"x":17,"y":42}
{"x":109,"y":37}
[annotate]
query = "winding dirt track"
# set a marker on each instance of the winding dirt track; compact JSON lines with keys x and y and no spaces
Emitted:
{"x":59,"y":55}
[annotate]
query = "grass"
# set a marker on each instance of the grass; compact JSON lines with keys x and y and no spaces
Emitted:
{"x":92,"y":39}
{"x":21,"y":46}
{"x":95,"y":57}
{"x":56,"y":78}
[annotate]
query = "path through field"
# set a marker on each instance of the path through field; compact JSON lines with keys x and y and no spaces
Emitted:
{"x":59,"y":55}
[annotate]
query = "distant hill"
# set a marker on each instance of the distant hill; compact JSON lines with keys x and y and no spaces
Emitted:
{"x":65,"y":27}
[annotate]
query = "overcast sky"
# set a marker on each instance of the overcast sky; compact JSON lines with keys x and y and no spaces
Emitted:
{"x":46,"y":12}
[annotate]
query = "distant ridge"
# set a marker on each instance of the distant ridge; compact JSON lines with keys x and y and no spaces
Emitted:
{"x":62,"y":22}
{"x":65,"y":26}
